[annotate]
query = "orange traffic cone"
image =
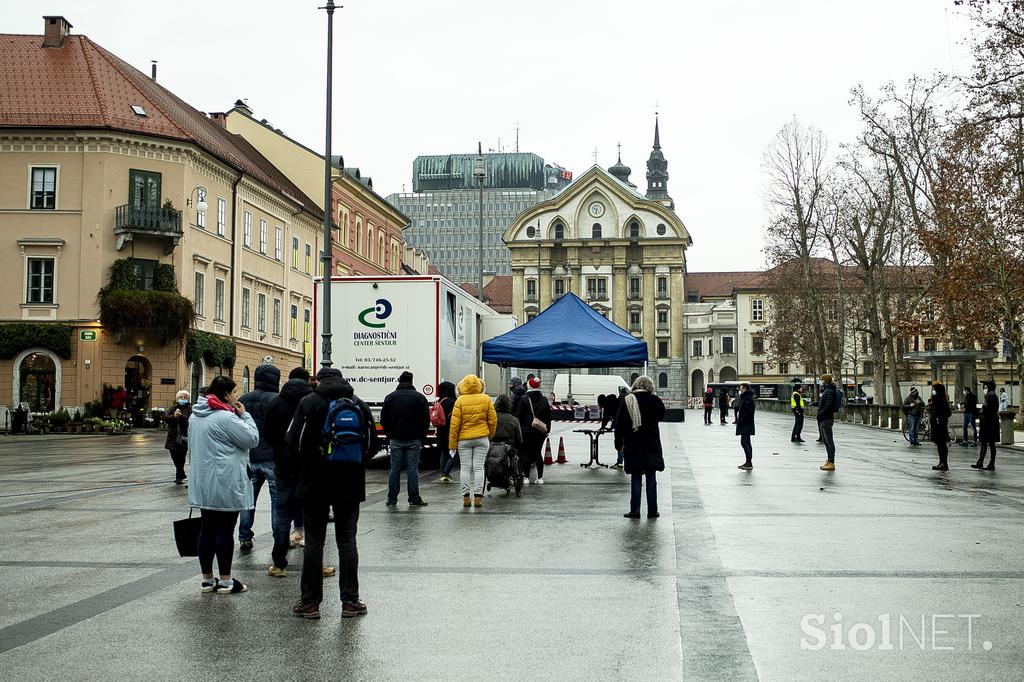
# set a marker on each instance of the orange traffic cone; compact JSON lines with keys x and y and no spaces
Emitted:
{"x":561,"y":452}
{"x":547,"y":452}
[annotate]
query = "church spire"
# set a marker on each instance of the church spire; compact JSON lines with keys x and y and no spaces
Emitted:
{"x":657,"y":170}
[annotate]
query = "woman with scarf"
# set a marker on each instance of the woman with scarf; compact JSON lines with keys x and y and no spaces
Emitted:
{"x":221,"y":433}
{"x":177,"y":434}
{"x":638,"y":436}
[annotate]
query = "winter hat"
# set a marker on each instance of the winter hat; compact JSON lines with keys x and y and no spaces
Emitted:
{"x":515,"y":382}
{"x":535,"y":383}
{"x":328,"y":373}
{"x":405,"y":377}
{"x":299,"y":373}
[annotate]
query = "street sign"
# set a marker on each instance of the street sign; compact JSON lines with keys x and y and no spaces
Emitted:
{"x":86,"y":335}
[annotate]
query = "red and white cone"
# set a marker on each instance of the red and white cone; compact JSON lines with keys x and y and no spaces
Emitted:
{"x":561,"y":452}
{"x":547,"y":452}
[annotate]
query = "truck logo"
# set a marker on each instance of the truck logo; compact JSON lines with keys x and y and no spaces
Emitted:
{"x":381,"y":311}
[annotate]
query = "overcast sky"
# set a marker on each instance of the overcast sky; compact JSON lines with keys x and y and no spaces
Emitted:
{"x":434,"y":76}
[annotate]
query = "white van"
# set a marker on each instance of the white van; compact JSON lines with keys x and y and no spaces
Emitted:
{"x":586,"y":387}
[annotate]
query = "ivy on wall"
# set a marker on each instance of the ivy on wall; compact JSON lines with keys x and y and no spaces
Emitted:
{"x":19,"y":336}
{"x":214,"y":349}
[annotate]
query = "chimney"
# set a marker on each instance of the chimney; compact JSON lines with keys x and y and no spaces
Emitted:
{"x":55,"y":29}
{"x":219,"y":117}
{"x":152,"y":74}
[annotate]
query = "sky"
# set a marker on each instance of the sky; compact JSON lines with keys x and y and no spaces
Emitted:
{"x":416,"y":77}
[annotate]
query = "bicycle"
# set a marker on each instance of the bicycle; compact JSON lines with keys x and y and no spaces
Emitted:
{"x":924,"y":429}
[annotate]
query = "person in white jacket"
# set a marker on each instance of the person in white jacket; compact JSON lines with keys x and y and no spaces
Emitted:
{"x":221,"y":433}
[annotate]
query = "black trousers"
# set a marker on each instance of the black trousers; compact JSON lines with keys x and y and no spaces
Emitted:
{"x":217,"y":537}
{"x":707,"y":415}
{"x":981,"y":455}
{"x":178,"y":457}
{"x":748,"y":449}
{"x":943,"y":449}
{"x":723,"y":414}
{"x":531,"y":453}
{"x":346,"y":521}
{"x":798,"y":425}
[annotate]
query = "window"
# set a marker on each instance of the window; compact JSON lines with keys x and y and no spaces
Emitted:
{"x":530,"y":314}
{"x":559,"y":288}
{"x":662,"y":320}
{"x":247,"y":229}
{"x":359,"y":236}
{"x":757,"y":345}
{"x":295,"y":252}
{"x":634,"y":286}
{"x":369,"y":242}
{"x":245,"y":307}
{"x":662,"y":379}
{"x":930,"y":345}
{"x":277,"y":317}
{"x":698,"y":348}
{"x":634,"y":320}
{"x":531,"y":290}
{"x":143,"y":189}
{"x":380,"y":250}
{"x":661,"y":229}
{"x":295,"y":322}
{"x":309,"y":259}
{"x":869,"y":367}
{"x":38,"y":376}
{"x":783,"y":368}
{"x":306,"y":330}
{"x":634,"y":230}
{"x":758,"y":368}
{"x":559,"y":231}
{"x":218,"y":300}
{"x":596,"y":231}
{"x":142,"y":270}
{"x":662,"y":349}
{"x":44,"y":189}
{"x":757,"y":310}
{"x":263,"y":236}
{"x":222,"y":215}
{"x":278,"y":242}
{"x":201,"y":215}
{"x":40,"y":280}
{"x":200,"y":281}
{"x":662,"y":283}
{"x":597,"y":288}
{"x":693,"y":296}
{"x":245,"y":379}
{"x":727,"y":345}
{"x":261,"y":313}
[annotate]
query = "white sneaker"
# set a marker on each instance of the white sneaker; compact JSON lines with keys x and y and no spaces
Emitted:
{"x":526,"y":481}
{"x":540,"y":481}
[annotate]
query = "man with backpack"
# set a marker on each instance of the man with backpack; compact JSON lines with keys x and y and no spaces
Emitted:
{"x":405,"y":417}
{"x":829,"y":404}
{"x":331,"y":437}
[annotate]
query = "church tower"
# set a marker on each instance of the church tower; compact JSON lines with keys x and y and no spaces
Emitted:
{"x":657,"y":172}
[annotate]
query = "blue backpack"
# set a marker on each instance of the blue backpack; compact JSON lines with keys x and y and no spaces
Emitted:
{"x":344,"y":432}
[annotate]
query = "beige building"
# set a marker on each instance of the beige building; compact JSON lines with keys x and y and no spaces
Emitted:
{"x":619,"y":250}
{"x":105,"y":173}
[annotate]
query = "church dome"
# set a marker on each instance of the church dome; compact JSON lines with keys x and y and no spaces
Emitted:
{"x":621,"y":171}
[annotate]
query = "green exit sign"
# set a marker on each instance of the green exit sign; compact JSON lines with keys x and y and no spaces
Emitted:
{"x":86,"y":335}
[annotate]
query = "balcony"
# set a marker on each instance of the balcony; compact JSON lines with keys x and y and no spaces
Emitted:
{"x":149,"y":221}
{"x":634,"y":295}
{"x":634,"y":328}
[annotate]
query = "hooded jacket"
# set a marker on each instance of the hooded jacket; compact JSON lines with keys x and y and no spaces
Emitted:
{"x":257,"y":403}
{"x":219,"y":444}
{"x":333,"y":482}
{"x":473,"y":415}
{"x":445,"y":394}
{"x":279,"y":418}
{"x":405,"y":414}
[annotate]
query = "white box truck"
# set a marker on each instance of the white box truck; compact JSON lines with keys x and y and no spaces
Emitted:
{"x":383,"y":326}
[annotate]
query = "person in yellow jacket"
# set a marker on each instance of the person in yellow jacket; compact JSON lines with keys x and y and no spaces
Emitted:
{"x":796,"y":404}
{"x":472,"y":426}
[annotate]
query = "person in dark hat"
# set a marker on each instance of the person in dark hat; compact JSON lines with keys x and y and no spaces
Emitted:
{"x":406,"y":421}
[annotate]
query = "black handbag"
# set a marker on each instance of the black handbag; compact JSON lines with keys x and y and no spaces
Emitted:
{"x":186,"y":535}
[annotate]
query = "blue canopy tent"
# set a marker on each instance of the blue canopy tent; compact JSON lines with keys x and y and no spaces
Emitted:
{"x":568,"y":334}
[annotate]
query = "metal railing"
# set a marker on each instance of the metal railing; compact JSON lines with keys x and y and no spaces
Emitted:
{"x":153,"y":219}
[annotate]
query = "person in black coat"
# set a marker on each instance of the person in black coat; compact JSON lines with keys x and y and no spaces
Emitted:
{"x":405,"y":417}
{"x":534,"y":404}
{"x":638,"y":437}
{"x":745,"y":407}
{"x":267,"y":382}
{"x":989,"y":428}
{"x":939,"y":411}
{"x":177,"y":425}
{"x":723,"y":405}
{"x":446,"y":396}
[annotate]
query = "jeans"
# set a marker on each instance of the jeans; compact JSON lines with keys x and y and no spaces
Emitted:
{"x":969,"y":419}
{"x":707,"y":415}
{"x":447,"y":460}
{"x":405,"y":454}
{"x":215,"y":539}
{"x":287,"y":505}
{"x":178,"y":457}
{"x":748,"y":449}
{"x":473,"y":454}
{"x":798,"y":425}
{"x":259,"y":472}
{"x":826,"y":435}
{"x":912,"y":423}
{"x":346,"y":521}
{"x":652,"y":492}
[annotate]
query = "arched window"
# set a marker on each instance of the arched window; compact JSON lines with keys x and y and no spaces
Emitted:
{"x":359,"y":236}
{"x":596,"y":233}
{"x":634,"y":230}
{"x":559,"y":231}
{"x":369,"y":242}
{"x":531,"y":232}
{"x":197,"y":379}
{"x":245,"y":379}
{"x":662,"y":380}
{"x":38,"y":381}
{"x":380,"y":250}
{"x":661,"y":229}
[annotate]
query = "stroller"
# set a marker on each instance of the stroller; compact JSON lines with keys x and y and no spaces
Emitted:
{"x":502,"y":469}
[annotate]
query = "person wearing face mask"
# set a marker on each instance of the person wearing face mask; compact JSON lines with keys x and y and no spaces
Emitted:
{"x":177,"y":434}
{"x":939,"y":412}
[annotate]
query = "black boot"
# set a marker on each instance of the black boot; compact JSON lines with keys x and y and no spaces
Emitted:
{"x":992,"y":463}
{"x":980,"y":464}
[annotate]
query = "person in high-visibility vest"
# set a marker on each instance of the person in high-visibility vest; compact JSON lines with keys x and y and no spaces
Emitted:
{"x":796,"y":404}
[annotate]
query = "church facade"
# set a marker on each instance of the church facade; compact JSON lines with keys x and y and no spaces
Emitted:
{"x":621,"y":251}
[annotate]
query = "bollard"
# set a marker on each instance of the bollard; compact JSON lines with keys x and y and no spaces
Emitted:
{"x":1006,"y":427}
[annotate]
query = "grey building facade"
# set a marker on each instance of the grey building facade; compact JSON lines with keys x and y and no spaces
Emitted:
{"x":445,"y":203}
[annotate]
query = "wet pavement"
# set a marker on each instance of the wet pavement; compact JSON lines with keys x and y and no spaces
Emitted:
{"x":883,"y":569}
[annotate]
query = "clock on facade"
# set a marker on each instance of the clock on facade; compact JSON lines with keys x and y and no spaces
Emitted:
{"x":596,"y":209}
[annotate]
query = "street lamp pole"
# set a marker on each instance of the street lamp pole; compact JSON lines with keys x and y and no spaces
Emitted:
{"x":539,"y":237}
{"x":480,"y":174}
{"x":326,"y":256}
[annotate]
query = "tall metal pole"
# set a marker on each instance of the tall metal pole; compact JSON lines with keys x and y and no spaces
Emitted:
{"x":538,"y":265}
{"x":326,"y":256}
{"x":480,"y":173}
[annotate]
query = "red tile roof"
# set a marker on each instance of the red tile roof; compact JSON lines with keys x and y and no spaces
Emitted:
{"x":80,"y":85}
{"x":497,"y":293}
{"x":717,"y":284}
